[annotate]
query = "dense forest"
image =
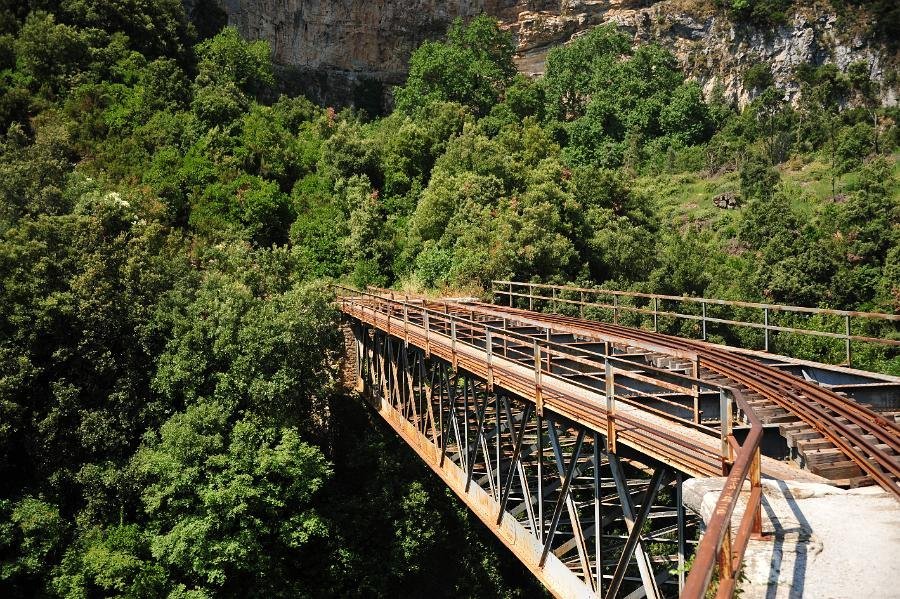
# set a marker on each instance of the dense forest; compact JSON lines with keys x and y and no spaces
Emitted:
{"x":171,"y":415}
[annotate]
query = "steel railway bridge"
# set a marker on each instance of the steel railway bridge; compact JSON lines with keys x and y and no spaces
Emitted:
{"x":571,"y":438}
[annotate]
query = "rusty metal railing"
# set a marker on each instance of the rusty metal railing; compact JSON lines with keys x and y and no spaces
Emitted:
{"x":443,"y":332}
{"x":555,"y":295}
{"x":719,"y":547}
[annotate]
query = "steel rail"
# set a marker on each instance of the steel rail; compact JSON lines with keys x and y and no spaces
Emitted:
{"x":788,"y":385}
{"x":801,"y":399}
{"x":579,"y":410}
{"x":717,"y":544}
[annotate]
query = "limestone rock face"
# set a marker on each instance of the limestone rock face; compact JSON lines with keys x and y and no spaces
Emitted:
{"x":336,"y":46}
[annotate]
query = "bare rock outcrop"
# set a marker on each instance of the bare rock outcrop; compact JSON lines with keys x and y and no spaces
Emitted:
{"x":337,"y":48}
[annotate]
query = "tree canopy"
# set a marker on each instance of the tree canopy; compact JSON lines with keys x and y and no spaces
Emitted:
{"x":171,"y":418}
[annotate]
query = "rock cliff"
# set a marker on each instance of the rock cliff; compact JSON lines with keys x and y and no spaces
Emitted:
{"x":341,"y":50}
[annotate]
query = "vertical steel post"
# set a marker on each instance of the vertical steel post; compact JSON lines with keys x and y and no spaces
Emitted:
{"x":679,"y":508}
{"x":425,"y":323}
{"x":756,"y":482}
{"x":406,"y":326}
{"x":453,"y":343}
{"x":610,"y":408}
{"x":725,"y":418}
{"x":598,"y":518}
{"x":464,"y":456}
{"x":547,"y":335}
{"x":488,"y":343}
{"x":530,"y":297}
{"x":540,"y":475}
{"x":695,"y":387}
{"x":510,"y":296}
{"x":655,"y":314}
{"x":538,"y":394}
{"x":847,"y":337}
{"x":581,"y":306}
{"x":703,"y":307}
{"x":497,"y":439}
{"x":766,"y":327}
{"x":615,"y":309}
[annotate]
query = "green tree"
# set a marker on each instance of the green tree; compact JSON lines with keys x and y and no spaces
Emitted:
{"x":110,"y":561}
{"x":50,"y":54}
{"x":230,"y":504}
{"x":473,"y":67}
{"x":32,"y":534}
{"x":227,"y":59}
{"x":758,"y":179}
{"x":600,"y":91}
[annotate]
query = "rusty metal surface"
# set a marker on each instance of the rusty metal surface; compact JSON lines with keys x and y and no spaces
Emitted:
{"x":456,"y":335}
{"x":849,"y":426}
{"x":545,"y":520}
{"x":696,"y":454}
{"x":531,"y":293}
{"x":565,"y":379}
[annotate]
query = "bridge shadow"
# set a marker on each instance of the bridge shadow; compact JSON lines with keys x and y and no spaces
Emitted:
{"x":788,"y":537}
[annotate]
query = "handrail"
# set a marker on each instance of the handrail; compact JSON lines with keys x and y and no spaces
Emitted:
{"x":740,"y":461}
{"x":506,"y":289}
{"x":717,"y":546}
{"x":431,"y":318}
{"x":704,"y":300}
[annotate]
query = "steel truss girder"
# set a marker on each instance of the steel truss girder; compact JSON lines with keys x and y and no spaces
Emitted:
{"x":569,"y":514}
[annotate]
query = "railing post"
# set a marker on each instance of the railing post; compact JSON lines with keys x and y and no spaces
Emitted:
{"x":531,"y":297}
{"x":726,"y":569}
{"x":755,"y":481}
{"x":615,"y":309}
{"x":725,"y":418}
{"x":847,"y":337}
{"x":453,"y":343}
{"x":510,"y":296}
{"x":553,"y":307}
{"x":655,"y":314}
{"x":488,"y":343}
{"x":547,"y":335}
{"x":695,"y":387}
{"x":766,"y":327}
{"x":427,"y":340}
{"x":538,"y":392}
{"x":703,"y":307}
{"x":610,"y":408}
{"x":406,"y":326}
{"x":581,"y":306}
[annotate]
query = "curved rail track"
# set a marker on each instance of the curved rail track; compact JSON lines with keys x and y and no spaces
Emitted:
{"x":469,"y":334}
{"x":844,"y":423}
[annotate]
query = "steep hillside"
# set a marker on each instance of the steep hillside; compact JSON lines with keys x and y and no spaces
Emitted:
{"x":340,"y":51}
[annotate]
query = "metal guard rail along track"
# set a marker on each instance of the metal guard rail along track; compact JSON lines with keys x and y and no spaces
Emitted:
{"x":524,"y":290}
{"x":444,"y":334}
{"x":852,"y":428}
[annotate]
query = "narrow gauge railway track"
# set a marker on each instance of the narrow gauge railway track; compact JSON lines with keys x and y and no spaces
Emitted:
{"x":843,"y":423}
{"x":695,"y":458}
